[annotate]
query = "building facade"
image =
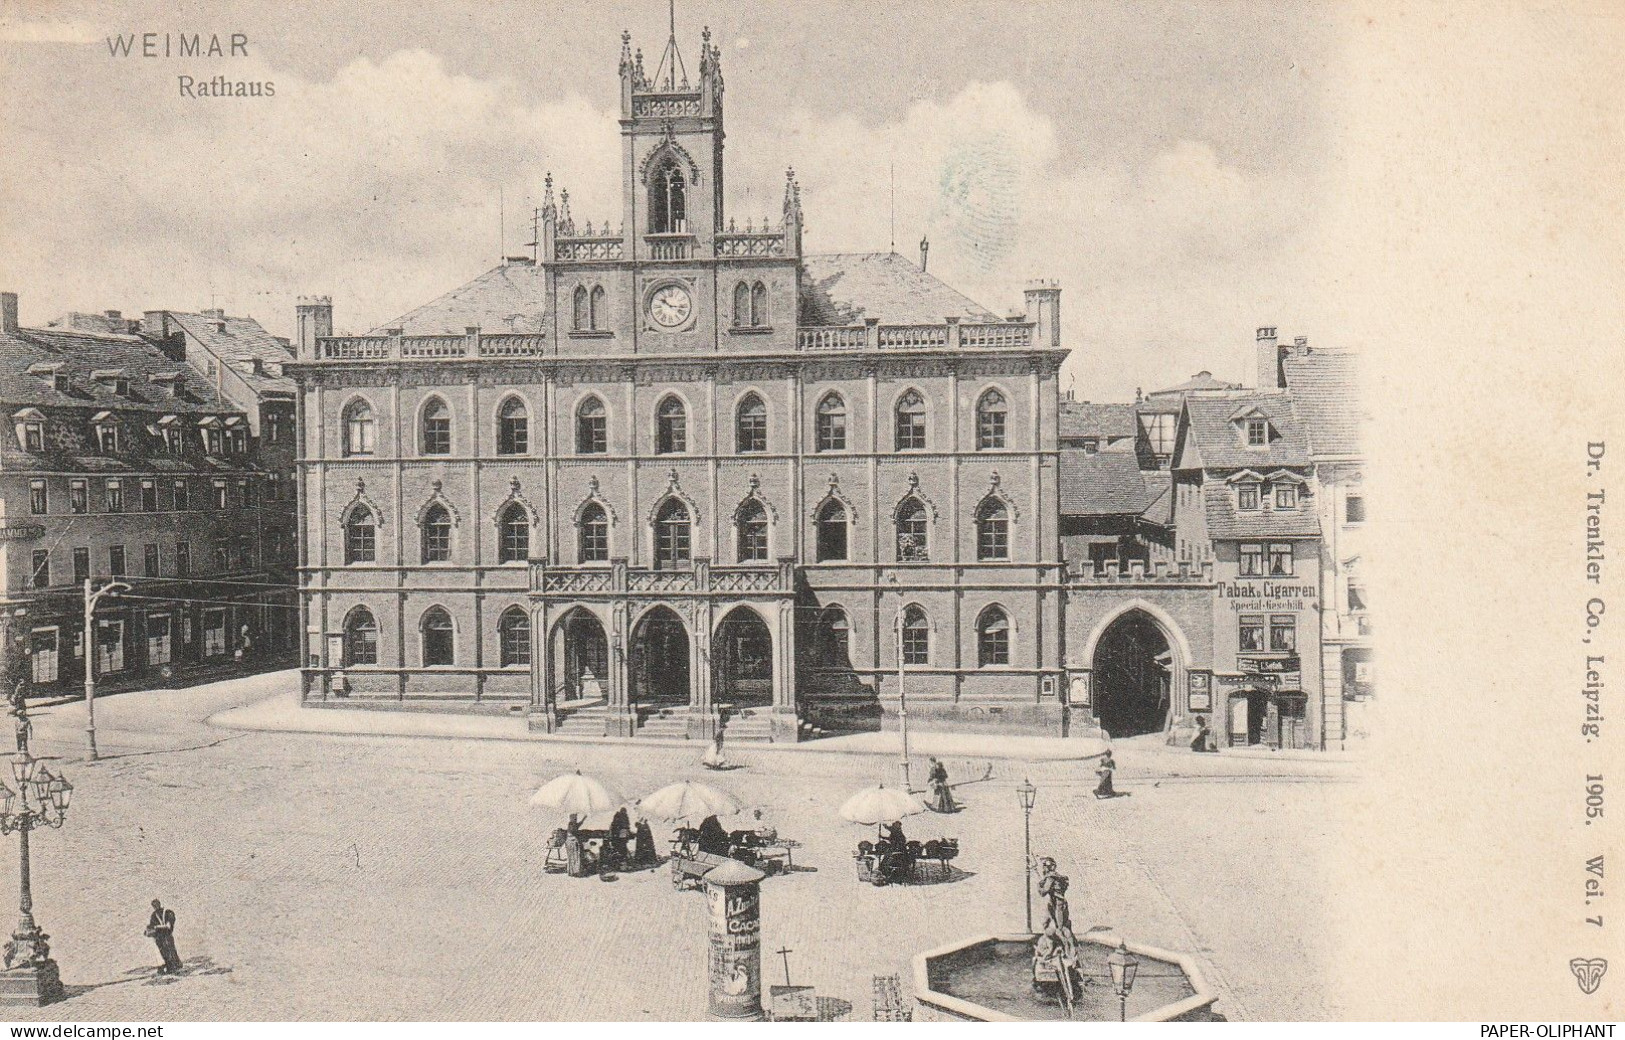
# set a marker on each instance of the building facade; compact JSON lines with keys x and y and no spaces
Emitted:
{"x":126,"y":463}
{"x":670,"y":473}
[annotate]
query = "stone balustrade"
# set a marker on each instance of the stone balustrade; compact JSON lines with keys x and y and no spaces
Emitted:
{"x":1141,"y":572}
{"x":699,"y":579}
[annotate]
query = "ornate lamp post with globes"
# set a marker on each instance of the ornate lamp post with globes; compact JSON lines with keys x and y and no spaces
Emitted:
{"x":41,"y":800}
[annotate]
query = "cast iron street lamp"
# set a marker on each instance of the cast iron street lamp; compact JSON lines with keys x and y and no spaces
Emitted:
{"x":902,"y":692}
{"x":1124,"y":966}
{"x":92,"y":597}
{"x":1028,"y":795}
{"x":30,"y":976}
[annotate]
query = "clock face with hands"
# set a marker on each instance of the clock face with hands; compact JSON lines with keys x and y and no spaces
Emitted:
{"x":670,"y":306}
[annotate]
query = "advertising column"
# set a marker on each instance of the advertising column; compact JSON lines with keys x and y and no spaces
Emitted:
{"x":733,"y":900}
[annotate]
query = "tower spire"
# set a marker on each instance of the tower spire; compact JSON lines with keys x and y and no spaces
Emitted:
{"x":671,"y":60}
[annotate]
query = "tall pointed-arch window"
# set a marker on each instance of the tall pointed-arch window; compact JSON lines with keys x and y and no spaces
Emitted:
{"x":671,"y":534}
{"x":436,"y":425}
{"x":598,"y":308}
{"x":513,"y":535}
{"x":832,"y":526}
{"x":439,"y":638}
{"x":742,"y":306}
{"x":758,"y":305}
{"x":360,"y":536}
{"x":992,"y":530}
{"x":750,"y":425}
{"x":592,"y":428}
{"x":911,"y":531}
{"x":436,"y":535}
{"x":835,"y":639}
{"x":916,"y":636}
{"x":668,"y":208}
{"x":911,"y":422}
{"x":671,"y":428}
{"x":592,"y":535}
{"x":513,"y":428}
{"x":992,"y":638}
{"x":831,"y":423}
{"x":580,"y":310}
{"x":513,"y":637}
{"x":360,"y":429}
{"x":990,"y":421}
{"x":360,"y":638}
{"x":751,"y":532}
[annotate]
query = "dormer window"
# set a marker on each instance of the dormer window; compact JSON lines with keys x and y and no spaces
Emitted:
{"x":51,"y":372}
{"x":172,"y":383}
{"x":169,"y":429}
{"x":1247,"y":497}
{"x":113,"y":379}
{"x":30,"y":423}
{"x":106,"y":432}
{"x":1258,"y":433}
{"x":1286,"y":496}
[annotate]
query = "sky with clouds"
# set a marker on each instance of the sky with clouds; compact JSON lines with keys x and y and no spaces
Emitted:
{"x":1168,"y":163}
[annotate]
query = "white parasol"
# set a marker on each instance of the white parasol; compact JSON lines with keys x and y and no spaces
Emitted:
{"x":574,"y":793}
{"x":688,"y":800}
{"x":882,"y":804}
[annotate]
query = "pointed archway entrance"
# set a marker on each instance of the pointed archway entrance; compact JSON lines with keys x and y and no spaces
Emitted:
{"x":659,"y":661}
{"x":580,"y":657}
{"x":1132,"y":672}
{"x":742,"y":658}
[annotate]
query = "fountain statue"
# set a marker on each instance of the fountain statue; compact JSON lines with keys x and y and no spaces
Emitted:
{"x":1055,"y":952}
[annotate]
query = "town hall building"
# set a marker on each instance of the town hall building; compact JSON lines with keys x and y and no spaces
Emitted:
{"x":670,"y":473}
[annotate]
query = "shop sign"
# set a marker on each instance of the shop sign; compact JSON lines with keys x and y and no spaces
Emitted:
{"x":1268,"y":665}
{"x":1248,"y":680}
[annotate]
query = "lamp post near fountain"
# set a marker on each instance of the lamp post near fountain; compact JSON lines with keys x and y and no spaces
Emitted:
{"x":1028,"y":795}
{"x":1124,"y":966}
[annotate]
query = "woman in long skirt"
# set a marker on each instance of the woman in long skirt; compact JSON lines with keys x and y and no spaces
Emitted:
{"x":712,"y":759}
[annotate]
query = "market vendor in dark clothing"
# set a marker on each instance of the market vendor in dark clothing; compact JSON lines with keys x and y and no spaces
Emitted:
{"x":713,"y":838}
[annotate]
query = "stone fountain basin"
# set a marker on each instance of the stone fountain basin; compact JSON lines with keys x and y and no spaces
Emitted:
{"x":989,"y":979}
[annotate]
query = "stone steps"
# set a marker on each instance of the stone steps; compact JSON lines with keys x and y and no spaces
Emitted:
{"x":673,"y":726}
{"x":584,"y":722}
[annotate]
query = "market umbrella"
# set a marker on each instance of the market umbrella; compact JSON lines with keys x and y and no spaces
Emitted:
{"x":688,"y":800}
{"x":574,"y":793}
{"x":882,"y":804}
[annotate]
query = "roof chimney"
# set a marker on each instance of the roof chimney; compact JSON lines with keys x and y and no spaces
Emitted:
{"x":8,"y":312}
{"x":1268,"y":360}
{"x":925,"y":251}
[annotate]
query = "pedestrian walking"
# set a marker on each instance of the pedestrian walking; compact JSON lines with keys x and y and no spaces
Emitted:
{"x":942,"y":798}
{"x":161,"y":930}
{"x":713,"y":758}
{"x":1105,"y":770}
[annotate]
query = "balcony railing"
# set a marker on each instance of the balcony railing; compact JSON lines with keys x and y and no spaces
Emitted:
{"x":597,"y":247}
{"x":759,"y":243}
{"x":701,"y":579}
{"x":869,"y":336}
{"x":678,"y":246}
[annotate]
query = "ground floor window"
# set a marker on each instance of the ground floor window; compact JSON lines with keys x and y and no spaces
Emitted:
{"x":43,"y":648}
{"x":158,"y":639}
{"x":514,"y":633}
{"x":439,"y":638}
{"x":214,"y":633}
{"x":110,"y":646}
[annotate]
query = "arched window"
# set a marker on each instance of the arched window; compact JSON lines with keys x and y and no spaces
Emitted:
{"x":832,"y":531}
{"x":592,"y":535}
{"x":834,"y":639}
{"x":513,"y":428}
{"x":513,"y":542}
{"x":513,"y":637}
{"x":671,"y":534}
{"x":911,"y":422}
{"x":990,"y":415}
{"x":667,"y":204}
{"x":671,"y":428}
{"x":439,"y":638}
{"x":758,"y":305}
{"x":750,"y":425}
{"x":751,"y":529}
{"x":360,"y":430}
{"x":360,"y":536}
{"x":360,"y":638}
{"x":598,"y":309}
{"x":911,"y":534}
{"x":436,"y":535}
{"x":592,"y":428}
{"x":580,"y":312}
{"x":742,"y":305}
{"x":992,"y":638}
{"x":436,"y":428}
{"x":831,"y":434}
{"x":916,"y":636}
{"x":992,"y":530}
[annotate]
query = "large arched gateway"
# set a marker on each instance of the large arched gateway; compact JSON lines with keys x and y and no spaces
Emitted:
{"x":742,"y":659}
{"x":659,"y":660}
{"x":580,"y":656}
{"x":1133,"y":676}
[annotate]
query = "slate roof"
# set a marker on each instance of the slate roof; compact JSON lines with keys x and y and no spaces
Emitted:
{"x":1325,"y":388}
{"x":1224,"y":520}
{"x":242,"y":340}
{"x":1203,"y":380}
{"x":1089,"y":419}
{"x":1218,"y":445}
{"x":507,"y":298}
{"x":81,"y":353}
{"x":846,"y":288}
{"x":1111,"y":483}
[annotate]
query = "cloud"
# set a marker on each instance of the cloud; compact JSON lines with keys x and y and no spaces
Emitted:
{"x":381,"y":185}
